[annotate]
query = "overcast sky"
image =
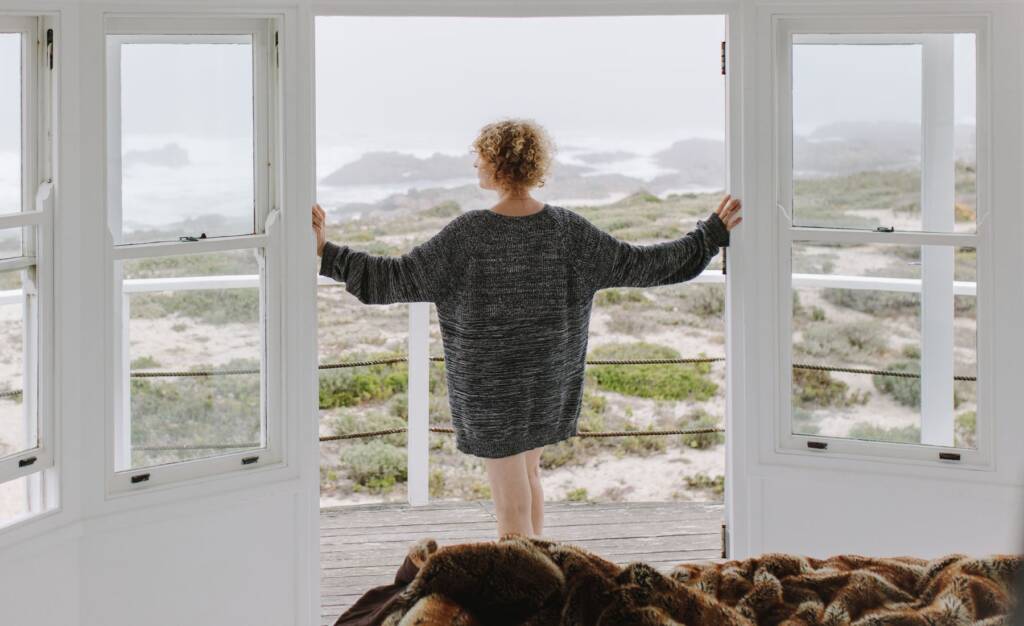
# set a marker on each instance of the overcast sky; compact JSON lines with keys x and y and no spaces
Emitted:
{"x":426,"y":84}
{"x":635,"y":82}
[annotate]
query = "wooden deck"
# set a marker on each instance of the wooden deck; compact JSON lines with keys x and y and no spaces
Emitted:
{"x":362,"y":546}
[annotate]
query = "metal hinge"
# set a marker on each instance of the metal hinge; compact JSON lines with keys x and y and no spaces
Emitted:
{"x":723,"y":58}
{"x":277,"y":49}
{"x":725,"y":541}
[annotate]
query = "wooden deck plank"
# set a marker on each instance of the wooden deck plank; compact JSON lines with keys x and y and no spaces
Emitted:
{"x":559,"y":519}
{"x":362,"y":545}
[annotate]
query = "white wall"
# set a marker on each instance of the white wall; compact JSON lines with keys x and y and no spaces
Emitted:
{"x":232,"y":563}
{"x":39,"y":583}
{"x":244,"y":549}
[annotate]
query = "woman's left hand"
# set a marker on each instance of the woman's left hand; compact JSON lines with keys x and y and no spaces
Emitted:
{"x":320,"y":228}
{"x":729,"y":211}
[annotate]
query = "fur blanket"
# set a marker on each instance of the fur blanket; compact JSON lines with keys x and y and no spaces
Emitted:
{"x":531,"y":582}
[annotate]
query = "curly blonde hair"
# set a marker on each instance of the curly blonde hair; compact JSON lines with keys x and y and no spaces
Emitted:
{"x":519,"y":150}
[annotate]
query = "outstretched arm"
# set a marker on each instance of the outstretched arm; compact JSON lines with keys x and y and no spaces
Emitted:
{"x":424,"y":274}
{"x":605,"y":261}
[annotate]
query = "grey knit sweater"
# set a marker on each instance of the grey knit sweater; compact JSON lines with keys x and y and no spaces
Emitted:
{"x":513,"y":297}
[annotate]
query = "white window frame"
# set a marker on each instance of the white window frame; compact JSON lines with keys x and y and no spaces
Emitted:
{"x":36,"y":262}
{"x":882,"y":30}
{"x":268,"y":237}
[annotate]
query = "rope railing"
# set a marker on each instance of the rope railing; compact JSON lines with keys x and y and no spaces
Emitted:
{"x":582,"y":433}
{"x":435,"y":429}
{"x":402,"y":359}
{"x":448,"y":430}
{"x":876,"y":372}
{"x":392,"y":360}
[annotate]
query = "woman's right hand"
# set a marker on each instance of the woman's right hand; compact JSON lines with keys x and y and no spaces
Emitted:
{"x":729,"y":211}
{"x":320,"y":228}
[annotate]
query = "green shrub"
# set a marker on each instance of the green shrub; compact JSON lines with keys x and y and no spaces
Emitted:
{"x":375,"y":466}
{"x":437,"y":483}
{"x":835,"y":200}
{"x":145,"y":363}
{"x":846,"y":339}
{"x":194,"y":411}
{"x":701,"y":480}
{"x":576,"y":495}
{"x":480,"y":491}
{"x":209,"y":307}
{"x":805,"y":422}
{"x":817,"y":388}
{"x":705,"y":300}
{"x":208,"y":264}
{"x":874,"y":302}
{"x":897,"y":434}
{"x":966,"y":306}
{"x":660,"y":381}
{"x":360,"y":421}
{"x":966,"y":429}
{"x":608,"y":297}
{"x":906,"y":391}
{"x":350,"y":386}
{"x":571,"y":451}
{"x":644,"y":445}
{"x":966,"y":261}
{"x":699,"y":418}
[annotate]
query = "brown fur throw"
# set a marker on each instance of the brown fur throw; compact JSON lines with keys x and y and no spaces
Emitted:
{"x":533,"y":582}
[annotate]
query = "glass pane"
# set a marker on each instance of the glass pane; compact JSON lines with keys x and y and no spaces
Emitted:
{"x":392,"y":172}
{"x":10,"y":123}
{"x":17,"y":426}
{"x":859,"y":132}
{"x":187,"y":140}
{"x":864,"y":365}
{"x":10,"y":243}
{"x":195,"y":346}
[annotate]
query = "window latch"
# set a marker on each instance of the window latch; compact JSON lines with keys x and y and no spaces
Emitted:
{"x":884,"y":229}
{"x":189,"y":238}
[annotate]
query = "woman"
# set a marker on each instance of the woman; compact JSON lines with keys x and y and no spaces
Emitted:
{"x":514,"y":285}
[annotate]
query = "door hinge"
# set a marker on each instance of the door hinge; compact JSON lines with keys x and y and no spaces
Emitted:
{"x":725,"y":541}
{"x":277,"y":49}
{"x":49,"y":47}
{"x":723,"y":58}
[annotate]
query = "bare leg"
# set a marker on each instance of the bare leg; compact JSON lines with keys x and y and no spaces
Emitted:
{"x":537,"y":500}
{"x":510,"y":489}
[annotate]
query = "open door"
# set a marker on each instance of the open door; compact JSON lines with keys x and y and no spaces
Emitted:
{"x":880,"y":357}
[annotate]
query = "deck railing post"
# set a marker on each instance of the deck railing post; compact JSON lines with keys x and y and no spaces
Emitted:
{"x":418,"y":442}
{"x":937,"y":262}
